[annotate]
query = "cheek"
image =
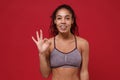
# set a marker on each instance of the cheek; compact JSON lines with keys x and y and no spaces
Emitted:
{"x":57,"y":22}
{"x":69,"y":23}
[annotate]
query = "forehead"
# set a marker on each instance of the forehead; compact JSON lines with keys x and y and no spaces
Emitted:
{"x":63,"y":12}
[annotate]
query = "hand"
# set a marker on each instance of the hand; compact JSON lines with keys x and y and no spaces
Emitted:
{"x":42,"y":44}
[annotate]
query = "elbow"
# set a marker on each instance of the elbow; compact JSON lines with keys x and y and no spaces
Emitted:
{"x":84,"y":75}
{"x":45,"y":75}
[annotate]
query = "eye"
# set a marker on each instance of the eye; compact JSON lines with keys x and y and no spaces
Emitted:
{"x":58,"y":18}
{"x":67,"y":18}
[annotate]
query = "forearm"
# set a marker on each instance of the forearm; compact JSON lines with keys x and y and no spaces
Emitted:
{"x":84,"y":76}
{"x":44,"y":66}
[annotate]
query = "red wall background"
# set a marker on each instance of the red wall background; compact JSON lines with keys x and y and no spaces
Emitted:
{"x":98,"y":22}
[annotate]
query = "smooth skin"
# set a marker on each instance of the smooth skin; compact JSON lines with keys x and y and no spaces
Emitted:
{"x":65,"y":42}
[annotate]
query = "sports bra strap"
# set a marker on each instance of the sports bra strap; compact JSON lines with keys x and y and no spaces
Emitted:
{"x":54,"y":43}
{"x":75,"y":41}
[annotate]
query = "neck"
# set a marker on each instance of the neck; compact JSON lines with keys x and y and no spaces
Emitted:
{"x":65,"y":35}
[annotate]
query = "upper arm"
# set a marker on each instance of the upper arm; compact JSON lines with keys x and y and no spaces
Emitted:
{"x":85,"y":56}
{"x":84,"y":47}
{"x":49,"y":50}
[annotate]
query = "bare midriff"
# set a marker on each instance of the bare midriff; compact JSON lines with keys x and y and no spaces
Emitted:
{"x":65,"y":74}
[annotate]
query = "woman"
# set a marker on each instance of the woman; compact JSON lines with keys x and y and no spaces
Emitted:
{"x":65,"y":55}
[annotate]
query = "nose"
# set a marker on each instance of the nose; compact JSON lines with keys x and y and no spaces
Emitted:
{"x":63,"y":21}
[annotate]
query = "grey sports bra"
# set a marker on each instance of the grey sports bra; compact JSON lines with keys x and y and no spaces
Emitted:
{"x":61,"y":59}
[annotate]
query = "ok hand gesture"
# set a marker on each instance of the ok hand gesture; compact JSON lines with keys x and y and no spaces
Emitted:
{"x":42,"y":44}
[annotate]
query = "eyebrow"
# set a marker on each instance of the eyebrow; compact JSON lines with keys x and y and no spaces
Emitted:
{"x":61,"y":16}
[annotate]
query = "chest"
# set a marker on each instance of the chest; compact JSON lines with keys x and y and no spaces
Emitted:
{"x":65,"y":46}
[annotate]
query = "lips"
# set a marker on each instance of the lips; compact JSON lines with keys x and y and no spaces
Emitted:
{"x":63,"y":27}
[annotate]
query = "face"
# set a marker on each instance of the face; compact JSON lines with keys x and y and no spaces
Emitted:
{"x":63,"y":20}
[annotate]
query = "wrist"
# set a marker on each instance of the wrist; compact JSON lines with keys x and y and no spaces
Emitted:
{"x":42,"y":54}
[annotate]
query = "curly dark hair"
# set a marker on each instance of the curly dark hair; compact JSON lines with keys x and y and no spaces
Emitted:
{"x":74,"y":27}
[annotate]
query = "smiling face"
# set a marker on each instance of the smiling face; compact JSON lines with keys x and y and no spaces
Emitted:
{"x":63,"y":20}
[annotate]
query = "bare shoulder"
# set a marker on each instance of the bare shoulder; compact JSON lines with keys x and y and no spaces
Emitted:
{"x":82,"y":43}
{"x":51,"y":40}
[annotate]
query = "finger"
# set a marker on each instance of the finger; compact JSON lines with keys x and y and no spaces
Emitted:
{"x":49,"y":41}
{"x":37,"y":35}
{"x":45,"y":39}
{"x":41,"y":34}
{"x":34,"y":40}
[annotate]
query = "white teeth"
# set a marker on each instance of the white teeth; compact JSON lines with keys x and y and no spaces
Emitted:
{"x":63,"y":27}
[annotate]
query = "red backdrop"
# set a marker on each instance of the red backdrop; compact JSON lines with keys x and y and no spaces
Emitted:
{"x":98,"y":22}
